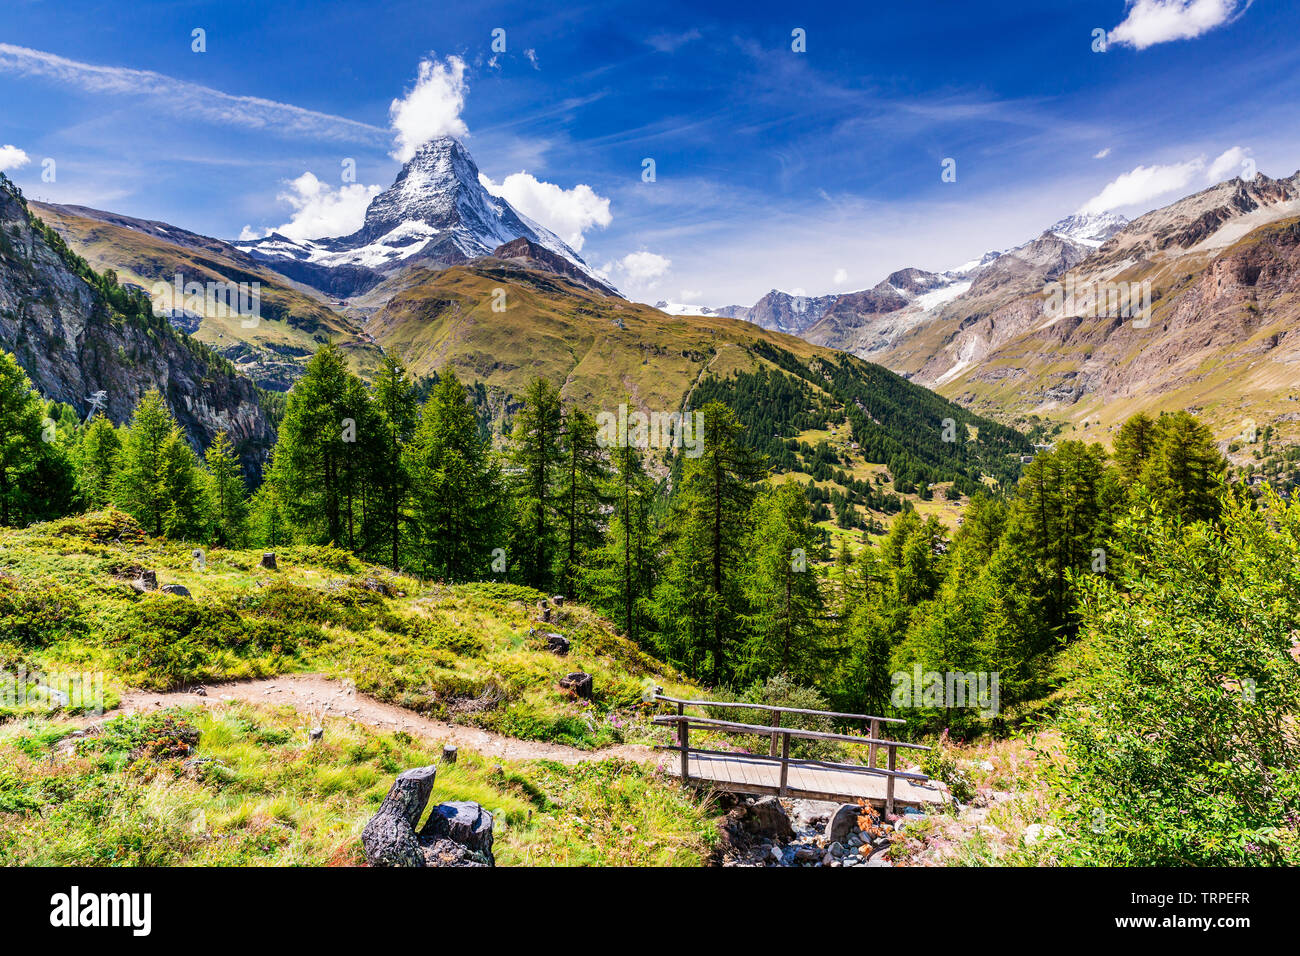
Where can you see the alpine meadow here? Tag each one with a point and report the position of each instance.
(452, 513)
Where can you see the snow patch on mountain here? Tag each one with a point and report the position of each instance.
(437, 205)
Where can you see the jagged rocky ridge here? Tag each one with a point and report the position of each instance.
(72, 344)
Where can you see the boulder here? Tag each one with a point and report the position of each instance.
(147, 581)
(179, 590)
(843, 822)
(389, 838)
(378, 586)
(462, 822)
(268, 561)
(766, 817)
(579, 683)
(557, 643)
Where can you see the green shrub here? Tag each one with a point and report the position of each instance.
(1181, 746)
(38, 616)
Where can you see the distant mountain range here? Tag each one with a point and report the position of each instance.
(918, 289)
(418, 279)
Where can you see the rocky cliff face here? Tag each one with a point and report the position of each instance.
(73, 344)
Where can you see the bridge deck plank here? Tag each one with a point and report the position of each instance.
(747, 773)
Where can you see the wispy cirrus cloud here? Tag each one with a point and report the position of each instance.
(183, 98)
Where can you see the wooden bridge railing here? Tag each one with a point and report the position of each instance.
(684, 722)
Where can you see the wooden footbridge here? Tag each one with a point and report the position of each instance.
(777, 773)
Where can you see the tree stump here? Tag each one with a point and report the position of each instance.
(268, 561)
(579, 683)
(448, 753)
(463, 822)
(557, 643)
(389, 838)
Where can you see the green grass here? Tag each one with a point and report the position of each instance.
(460, 653)
(239, 785)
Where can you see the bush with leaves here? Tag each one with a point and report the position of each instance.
(1182, 745)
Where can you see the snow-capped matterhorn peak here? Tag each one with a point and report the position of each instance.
(436, 208)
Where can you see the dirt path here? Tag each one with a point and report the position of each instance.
(322, 697)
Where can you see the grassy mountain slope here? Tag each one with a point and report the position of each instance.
(239, 784)
(604, 351)
(294, 319)
(456, 653)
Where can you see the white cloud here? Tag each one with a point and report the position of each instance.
(1159, 21)
(1233, 162)
(691, 295)
(1102, 153)
(566, 212)
(1143, 184)
(431, 108)
(841, 277)
(532, 58)
(320, 211)
(637, 273)
(644, 267)
(11, 157)
(181, 98)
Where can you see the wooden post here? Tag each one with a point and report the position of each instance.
(686, 755)
(889, 784)
(776, 722)
(871, 748)
(785, 761)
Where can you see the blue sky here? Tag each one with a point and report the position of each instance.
(817, 171)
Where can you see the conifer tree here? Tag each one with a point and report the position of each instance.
(620, 575)
(700, 601)
(456, 498)
(536, 456)
(150, 464)
(581, 494)
(397, 412)
(97, 462)
(316, 459)
(783, 590)
(226, 492)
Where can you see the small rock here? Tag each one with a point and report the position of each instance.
(842, 822)
(179, 590)
(806, 854)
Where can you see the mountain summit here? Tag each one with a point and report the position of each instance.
(437, 211)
